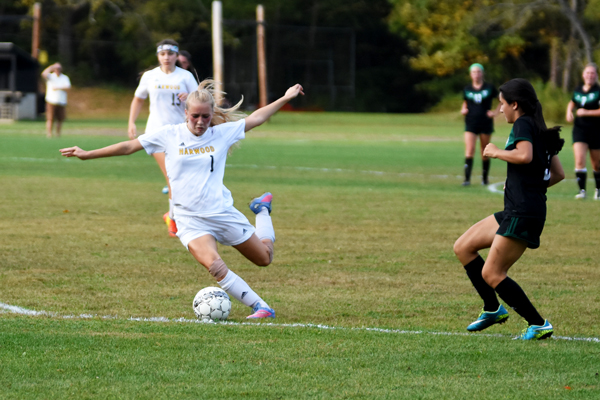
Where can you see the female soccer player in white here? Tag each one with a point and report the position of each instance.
(196, 152)
(167, 86)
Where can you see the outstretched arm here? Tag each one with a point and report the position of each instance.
(118, 149)
(261, 115)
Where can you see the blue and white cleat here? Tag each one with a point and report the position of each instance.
(261, 202)
(487, 319)
(262, 312)
(165, 190)
(536, 332)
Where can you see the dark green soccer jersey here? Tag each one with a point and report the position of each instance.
(589, 100)
(526, 184)
(479, 102)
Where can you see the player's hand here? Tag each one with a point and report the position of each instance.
(491, 114)
(581, 112)
(294, 91)
(132, 131)
(464, 111)
(73, 152)
(182, 96)
(490, 150)
(570, 117)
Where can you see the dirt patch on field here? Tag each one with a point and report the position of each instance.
(101, 103)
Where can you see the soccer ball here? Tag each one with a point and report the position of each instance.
(212, 304)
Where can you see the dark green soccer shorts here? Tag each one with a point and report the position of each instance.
(528, 229)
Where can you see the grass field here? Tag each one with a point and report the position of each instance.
(370, 299)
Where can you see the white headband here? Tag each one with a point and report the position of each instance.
(167, 47)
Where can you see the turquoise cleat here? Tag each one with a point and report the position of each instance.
(487, 319)
(536, 332)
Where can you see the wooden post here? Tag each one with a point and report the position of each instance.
(217, 42)
(35, 37)
(262, 59)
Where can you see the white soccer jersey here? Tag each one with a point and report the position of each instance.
(165, 106)
(196, 165)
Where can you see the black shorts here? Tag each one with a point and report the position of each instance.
(527, 229)
(483, 126)
(587, 135)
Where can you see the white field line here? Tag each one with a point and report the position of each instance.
(493, 187)
(7, 308)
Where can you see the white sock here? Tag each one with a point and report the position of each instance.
(171, 208)
(237, 288)
(264, 225)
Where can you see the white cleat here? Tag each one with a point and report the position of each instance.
(580, 195)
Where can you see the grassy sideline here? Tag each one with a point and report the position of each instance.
(366, 210)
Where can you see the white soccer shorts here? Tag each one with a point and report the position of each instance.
(229, 228)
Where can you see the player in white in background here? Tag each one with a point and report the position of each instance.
(167, 86)
(57, 85)
(196, 153)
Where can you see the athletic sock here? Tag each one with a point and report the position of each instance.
(597, 179)
(264, 225)
(486, 170)
(581, 175)
(237, 288)
(468, 168)
(487, 294)
(515, 297)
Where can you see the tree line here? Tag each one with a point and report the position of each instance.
(406, 54)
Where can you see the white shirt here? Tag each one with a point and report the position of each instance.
(165, 106)
(196, 165)
(56, 96)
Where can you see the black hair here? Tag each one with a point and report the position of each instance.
(167, 41)
(522, 92)
(164, 41)
(192, 69)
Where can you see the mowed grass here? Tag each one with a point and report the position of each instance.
(366, 210)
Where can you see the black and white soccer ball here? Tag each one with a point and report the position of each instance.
(212, 304)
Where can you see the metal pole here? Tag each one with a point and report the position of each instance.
(217, 42)
(35, 37)
(262, 59)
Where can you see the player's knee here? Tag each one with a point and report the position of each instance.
(459, 247)
(492, 278)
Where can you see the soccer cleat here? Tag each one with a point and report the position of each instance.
(580, 195)
(597, 194)
(485, 182)
(536, 332)
(262, 312)
(466, 183)
(171, 225)
(165, 190)
(487, 319)
(261, 202)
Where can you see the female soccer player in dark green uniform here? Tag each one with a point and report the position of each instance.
(479, 119)
(586, 130)
(532, 166)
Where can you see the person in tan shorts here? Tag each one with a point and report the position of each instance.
(57, 85)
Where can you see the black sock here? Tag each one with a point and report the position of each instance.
(486, 170)
(597, 179)
(468, 168)
(487, 294)
(581, 178)
(515, 297)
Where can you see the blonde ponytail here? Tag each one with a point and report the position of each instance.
(206, 94)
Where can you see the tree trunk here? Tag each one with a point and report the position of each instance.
(554, 53)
